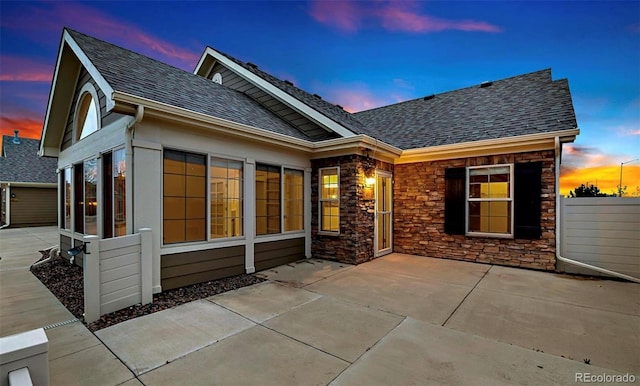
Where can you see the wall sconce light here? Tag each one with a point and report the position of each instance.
(78, 249)
(369, 181)
(13, 195)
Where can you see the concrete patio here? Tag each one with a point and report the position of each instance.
(397, 320)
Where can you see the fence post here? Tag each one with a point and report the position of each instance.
(91, 273)
(146, 262)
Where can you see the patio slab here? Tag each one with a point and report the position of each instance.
(257, 356)
(345, 330)
(93, 366)
(427, 300)
(428, 268)
(304, 272)
(150, 341)
(418, 353)
(263, 301)
(68, 339)
(610, 295)
(607, 339)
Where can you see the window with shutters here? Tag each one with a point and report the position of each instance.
(490, 200)
(494, 200)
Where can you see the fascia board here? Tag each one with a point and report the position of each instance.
(520, 143)
(92, 70)
(294, 103)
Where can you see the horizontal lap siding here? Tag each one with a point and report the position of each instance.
(183, 269)
(275, 253)
(65, 245)
(604, 232)
(119, 273)
(34, 206)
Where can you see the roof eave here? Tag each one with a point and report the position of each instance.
(276, 92)
(516, 144)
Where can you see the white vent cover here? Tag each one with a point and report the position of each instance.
(217, 78)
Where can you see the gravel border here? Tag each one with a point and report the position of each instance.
(65, 281)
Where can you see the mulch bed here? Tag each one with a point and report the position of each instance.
(65, 281)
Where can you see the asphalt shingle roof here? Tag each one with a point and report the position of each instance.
(20, 162)
(139, 75)
(331, 111)
(526, 104)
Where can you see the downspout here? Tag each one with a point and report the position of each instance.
(7, 209)
(130, 132)
(580, 264)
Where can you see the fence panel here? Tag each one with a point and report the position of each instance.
(601, 231)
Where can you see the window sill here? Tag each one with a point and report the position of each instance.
(327, 233)
(489, 235)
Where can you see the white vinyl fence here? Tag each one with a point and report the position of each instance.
(117, 273)
(601, 231)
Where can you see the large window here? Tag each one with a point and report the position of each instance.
(66, 192)
(119, 193)
(330, 200)
(226, 198)
(184, 197)
(267, 199)
(90, 201)
(293, 200)
(490, 207)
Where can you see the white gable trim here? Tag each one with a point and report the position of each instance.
(92, 70)
(292, 102)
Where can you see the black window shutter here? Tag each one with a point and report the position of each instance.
(527, 190)
(454, 201)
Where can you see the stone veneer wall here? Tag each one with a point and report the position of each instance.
(354, 244)
(419, 191)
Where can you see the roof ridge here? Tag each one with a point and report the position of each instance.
(528, 74)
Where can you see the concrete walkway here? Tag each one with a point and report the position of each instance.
(397, 320)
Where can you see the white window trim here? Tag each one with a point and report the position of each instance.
(510, 199)
(321, 200)
(90, 89)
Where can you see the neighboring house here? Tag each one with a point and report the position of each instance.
(28, 184)
(235, 170)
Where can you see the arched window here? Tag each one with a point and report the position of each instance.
(87, 112)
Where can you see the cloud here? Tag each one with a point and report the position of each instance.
(356, 97)
(51, 17)
(21, 69)
(30, 127)
(403, 16)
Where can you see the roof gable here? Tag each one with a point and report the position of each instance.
(20, 162)
(327, 115)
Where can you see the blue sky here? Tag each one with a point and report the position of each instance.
(365, 54)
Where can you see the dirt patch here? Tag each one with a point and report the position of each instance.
(65, 281)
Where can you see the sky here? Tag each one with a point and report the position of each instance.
(366, 54)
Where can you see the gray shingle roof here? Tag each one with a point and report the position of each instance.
(136, 74)
(526, 104)
(329, 110)
(20, 162)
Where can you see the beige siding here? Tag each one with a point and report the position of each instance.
(183, 269)
(603, 232)
(65, 245)
(34, 206)
(275, 253)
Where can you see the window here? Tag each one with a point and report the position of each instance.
(86, 115)
(184, 197)
(500, 200)
(267, 199)
(330, 200)
(226, 198)
(119, 193)
(293, 200)
(490, 203)
(66, 197)
(90, 201)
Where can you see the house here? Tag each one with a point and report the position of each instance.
(28, 184)
(235, 170)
